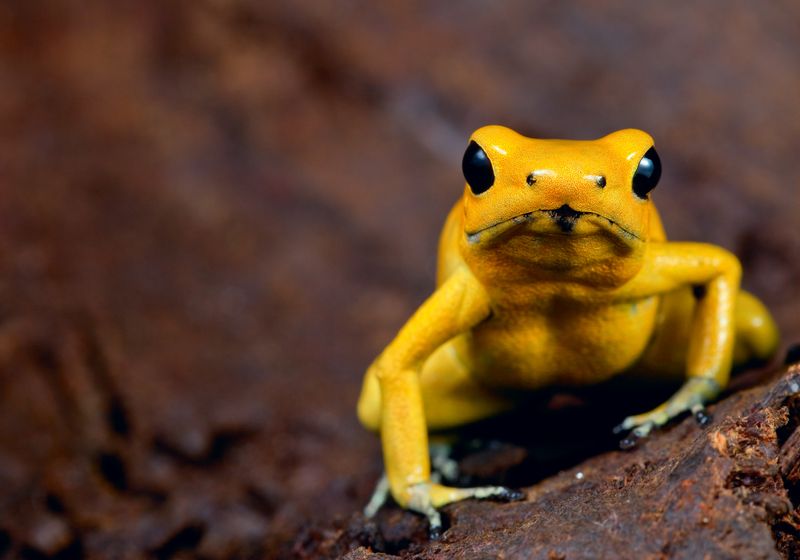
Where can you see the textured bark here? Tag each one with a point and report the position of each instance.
(724, 491)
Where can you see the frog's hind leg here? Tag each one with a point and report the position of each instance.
(757, 336)
(450, 396)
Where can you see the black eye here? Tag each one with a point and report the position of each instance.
(477, 169)
(647, 174)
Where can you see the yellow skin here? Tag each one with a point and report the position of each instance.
(528, 297)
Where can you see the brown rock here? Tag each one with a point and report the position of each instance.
(687, 492)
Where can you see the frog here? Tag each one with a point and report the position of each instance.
(554, 269)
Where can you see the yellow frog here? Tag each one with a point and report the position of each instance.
(554, 269)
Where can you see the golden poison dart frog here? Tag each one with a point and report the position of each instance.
(554, 269)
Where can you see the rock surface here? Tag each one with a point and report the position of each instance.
(214, 214)
(728, 490)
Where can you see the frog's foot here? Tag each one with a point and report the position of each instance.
(443, 466)
(691, 397)
(426, 498)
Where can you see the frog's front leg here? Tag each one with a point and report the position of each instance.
(715, 273)
(456, 306)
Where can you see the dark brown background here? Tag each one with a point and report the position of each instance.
(214, 214)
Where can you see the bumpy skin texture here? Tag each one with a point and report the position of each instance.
(554, 276)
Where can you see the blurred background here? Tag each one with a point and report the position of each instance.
(214, 214)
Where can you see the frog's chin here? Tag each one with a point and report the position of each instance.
(563, 222)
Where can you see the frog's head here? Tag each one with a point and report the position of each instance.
(558, 202)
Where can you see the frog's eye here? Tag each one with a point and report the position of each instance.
(647, 174)
(477, 169)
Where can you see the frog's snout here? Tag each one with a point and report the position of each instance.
(565, 217)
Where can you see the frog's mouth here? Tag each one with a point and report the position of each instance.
(564, 219)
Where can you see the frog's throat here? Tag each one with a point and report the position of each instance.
(494, 230)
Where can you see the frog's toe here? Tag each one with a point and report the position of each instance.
(442, 495)
(435, 526)
(619, 428)
(422, 504)
(643, 430)
(629, 441)
(640, 427)
(509, 495)
(701, 415)
(444, 467)
(434, 521)
(379, 497)
(642, 424)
